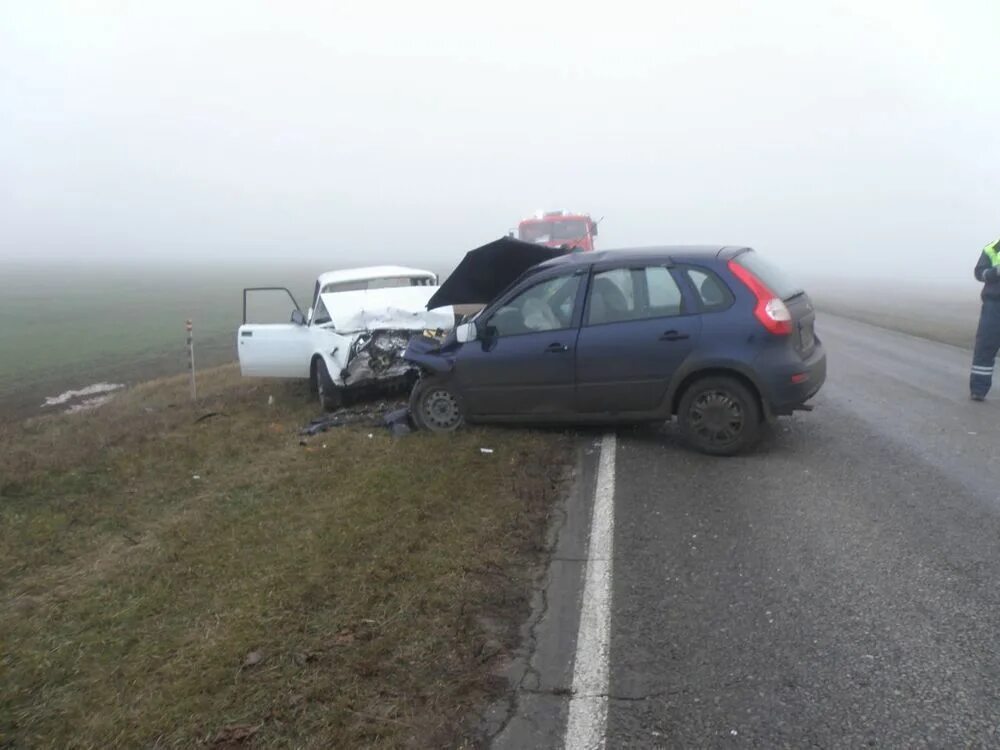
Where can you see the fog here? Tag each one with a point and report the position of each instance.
(853, 138)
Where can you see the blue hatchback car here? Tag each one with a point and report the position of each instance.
(716, 337)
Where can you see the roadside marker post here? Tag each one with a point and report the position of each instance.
(190, 345)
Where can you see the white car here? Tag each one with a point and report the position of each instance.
(353, 335)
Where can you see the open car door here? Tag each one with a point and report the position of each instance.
(274, 350)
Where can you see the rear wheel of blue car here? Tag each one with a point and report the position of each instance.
(719, 415)
(436, 406)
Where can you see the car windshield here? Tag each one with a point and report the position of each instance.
(773, 277)
(536, 231)
(547, 231)
(569, 230)
(385, 282)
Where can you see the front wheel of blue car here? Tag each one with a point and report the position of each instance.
(719, 415)
(436, 406)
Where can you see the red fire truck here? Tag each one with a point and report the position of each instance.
(558, 229)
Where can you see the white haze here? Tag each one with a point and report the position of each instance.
(852, 138)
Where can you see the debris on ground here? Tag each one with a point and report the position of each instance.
(335, 419)
(253, 659)
(393, 415)
(367, 414)
(485, 450)
(235, 736)
(208, 416)
(398, 422)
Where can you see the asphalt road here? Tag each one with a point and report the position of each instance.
(840, 587)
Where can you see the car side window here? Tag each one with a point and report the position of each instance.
(612, 297)
(616, 295)
(712, 292)
(665, 298)
(546, 306)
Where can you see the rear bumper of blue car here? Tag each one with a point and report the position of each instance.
(789, 382)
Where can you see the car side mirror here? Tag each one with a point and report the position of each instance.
(466, 332)
(298, 318)
(593, 229)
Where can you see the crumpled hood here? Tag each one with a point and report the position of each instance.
(401, 308)
(486, 271)
(434, 354)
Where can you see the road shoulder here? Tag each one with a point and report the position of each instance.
(533, 714)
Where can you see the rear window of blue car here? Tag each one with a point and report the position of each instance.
(773, 277)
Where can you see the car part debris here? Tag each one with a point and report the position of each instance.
(390, 414)
(209, 415)
(398, 422)
(336, 419)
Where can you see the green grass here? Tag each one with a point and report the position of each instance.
(337, 594)
(63, 327)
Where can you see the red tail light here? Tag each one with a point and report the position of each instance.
(769, 310)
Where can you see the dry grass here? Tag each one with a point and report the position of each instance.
(340, 594)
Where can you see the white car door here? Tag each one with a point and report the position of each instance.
(275, 350)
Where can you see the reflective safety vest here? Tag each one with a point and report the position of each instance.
(992, 253)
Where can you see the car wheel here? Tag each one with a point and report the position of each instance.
(436, 406)
(330, 396)
(719, 416)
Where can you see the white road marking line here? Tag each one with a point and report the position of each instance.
(588, 708)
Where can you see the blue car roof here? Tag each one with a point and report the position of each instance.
(671, 253)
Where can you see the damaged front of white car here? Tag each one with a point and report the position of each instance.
(353, 336)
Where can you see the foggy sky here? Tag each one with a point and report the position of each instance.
(848, 137)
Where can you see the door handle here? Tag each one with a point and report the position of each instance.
(556, 349)
(674, 336)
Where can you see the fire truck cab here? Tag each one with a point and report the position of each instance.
(559, 229)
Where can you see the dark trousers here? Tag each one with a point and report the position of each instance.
(987, 345)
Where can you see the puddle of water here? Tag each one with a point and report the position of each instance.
(89, 403)
(83, 399)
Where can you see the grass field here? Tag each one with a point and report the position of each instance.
(170, 581)
(68, 327)
(946, 313)
(65, 327)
